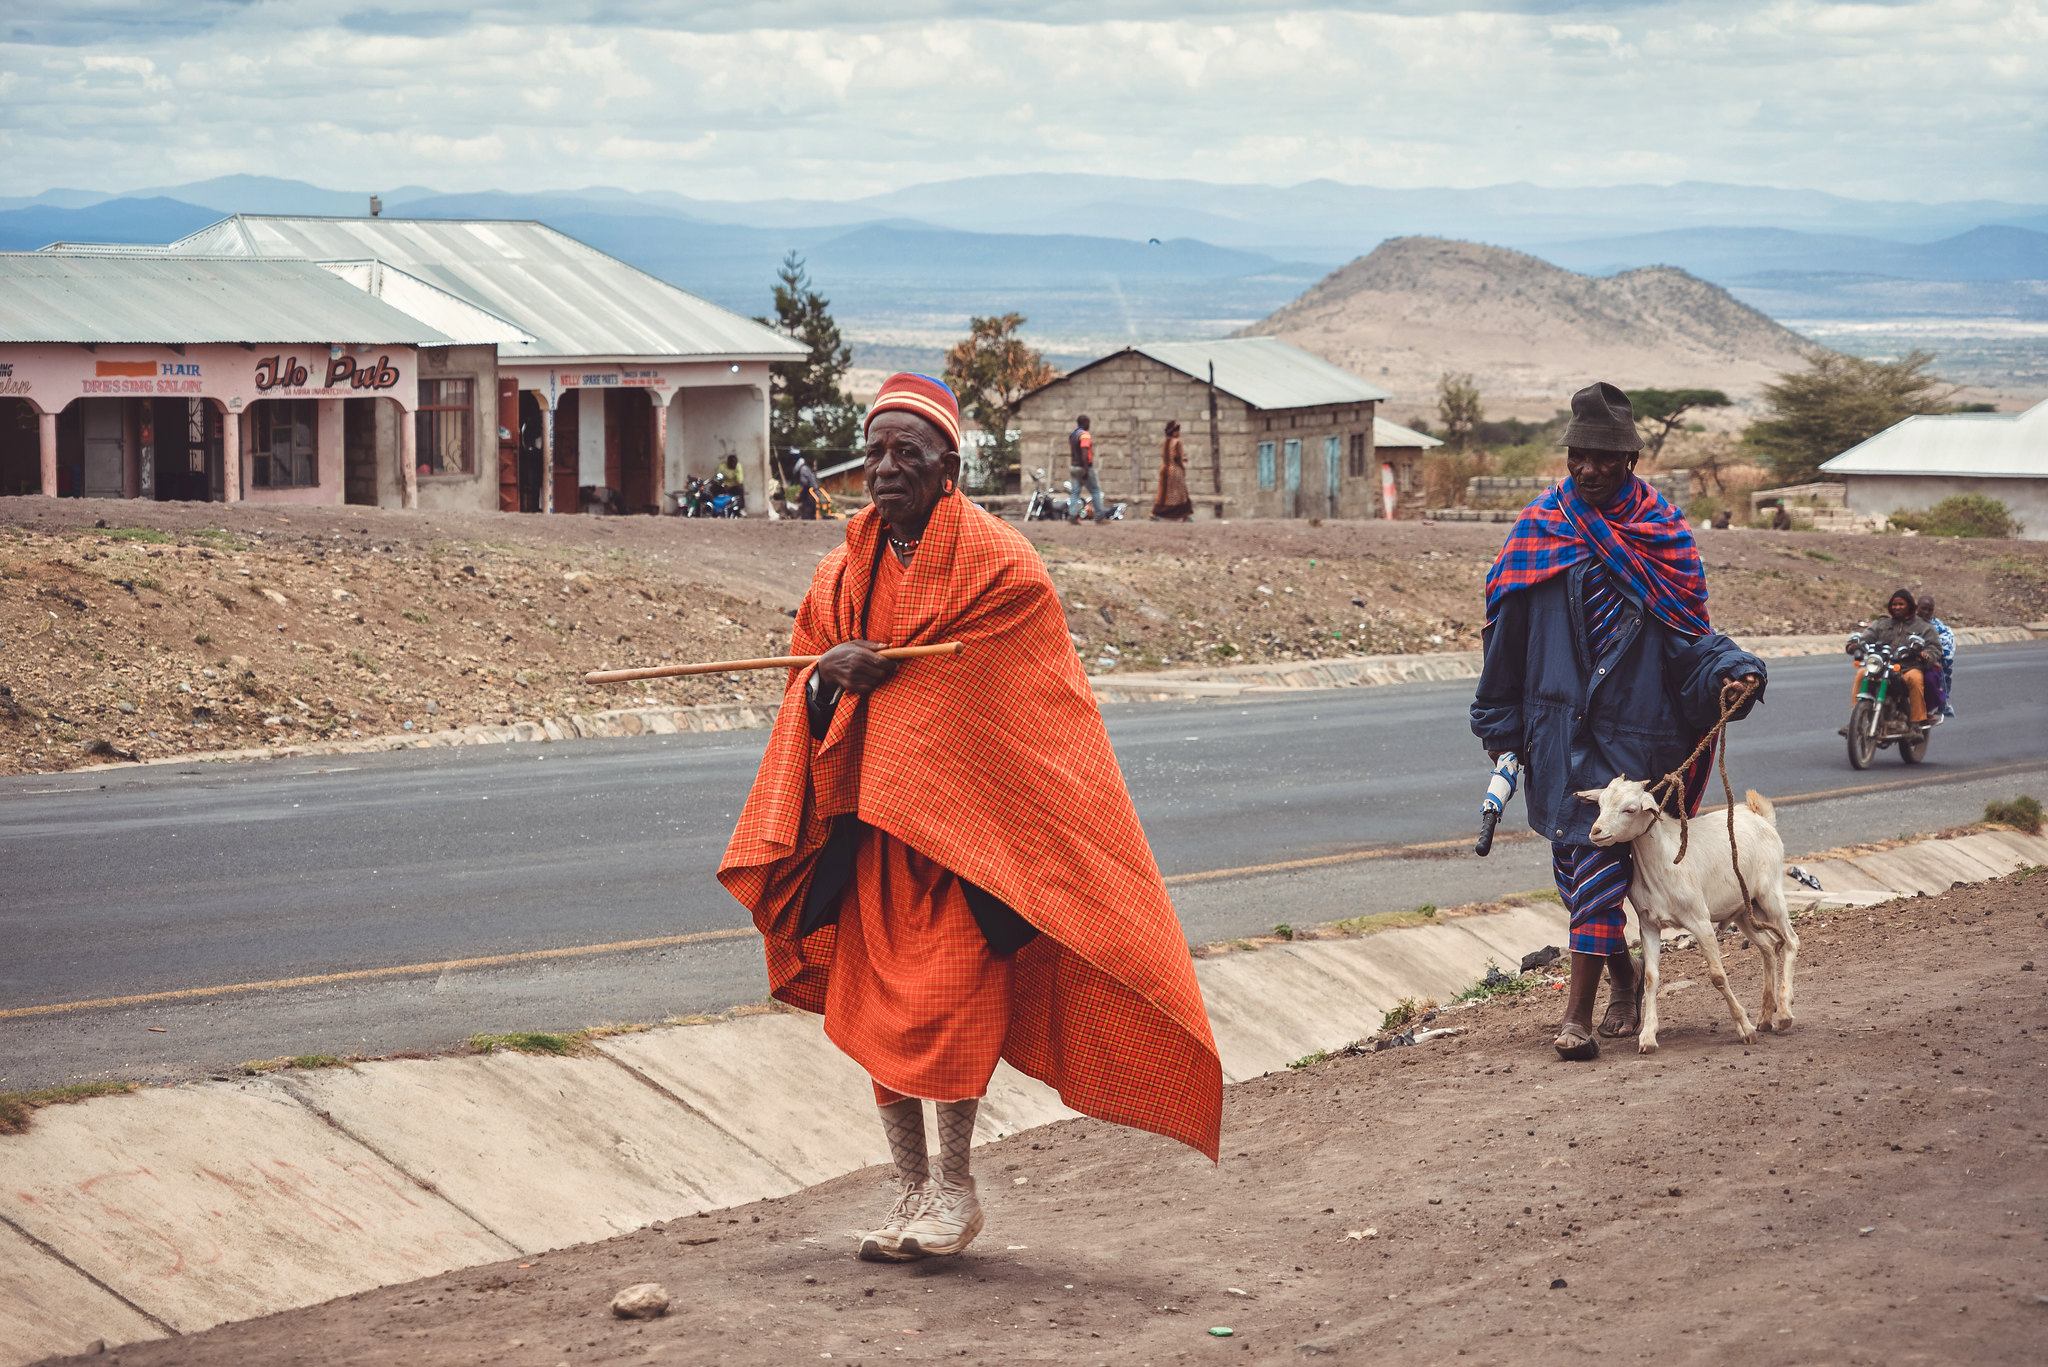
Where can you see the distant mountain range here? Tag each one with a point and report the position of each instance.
(1097, 261)
(1316, 221)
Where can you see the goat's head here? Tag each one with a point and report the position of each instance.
(1626, 811)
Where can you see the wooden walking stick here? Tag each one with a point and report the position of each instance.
(773, 662)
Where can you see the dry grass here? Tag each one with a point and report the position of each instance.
(16, 1108)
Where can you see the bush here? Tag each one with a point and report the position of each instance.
(1445, 474)
(2023, 813)
(1526, 460)
(1962, 515)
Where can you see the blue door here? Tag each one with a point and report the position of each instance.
(1292, 502)
(1333, 451)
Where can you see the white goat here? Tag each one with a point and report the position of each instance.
(1702, 892)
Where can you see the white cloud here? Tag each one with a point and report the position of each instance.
(1931, 99)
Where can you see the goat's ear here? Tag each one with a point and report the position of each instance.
(1591, 794)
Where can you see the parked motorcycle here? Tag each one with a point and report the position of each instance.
(1881, 716)
(700, 498)
(1047, 507)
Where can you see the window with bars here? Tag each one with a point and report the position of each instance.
(283, 443)
(1358, 453)
(443, 423)
(1266, 471)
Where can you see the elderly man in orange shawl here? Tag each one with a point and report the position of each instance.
(907, 849)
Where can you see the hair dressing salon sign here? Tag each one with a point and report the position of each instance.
(51, 376)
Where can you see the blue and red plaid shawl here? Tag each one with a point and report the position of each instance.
(1642, 540)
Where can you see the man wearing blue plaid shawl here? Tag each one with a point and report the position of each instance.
(1599, 661)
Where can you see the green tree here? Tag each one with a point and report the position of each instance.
(1836, 402)
(991, 370)
(1659, 411)
(1459, 407)
(809, 409)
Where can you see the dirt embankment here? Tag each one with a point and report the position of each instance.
(1865, 1189)
(197, 627)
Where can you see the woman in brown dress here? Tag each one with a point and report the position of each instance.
(1172, 505)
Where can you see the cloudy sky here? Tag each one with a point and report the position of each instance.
(1942, 99)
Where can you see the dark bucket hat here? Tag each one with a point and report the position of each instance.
(1602, 420)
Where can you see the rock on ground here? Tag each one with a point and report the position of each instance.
(641, 1301)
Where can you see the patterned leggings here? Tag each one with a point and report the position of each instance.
(1592, 880)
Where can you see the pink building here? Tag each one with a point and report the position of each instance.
(154, 376)
(546, 377)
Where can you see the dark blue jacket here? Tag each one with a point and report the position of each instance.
(1577, 722)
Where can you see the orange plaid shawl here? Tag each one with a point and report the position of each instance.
(994, 763)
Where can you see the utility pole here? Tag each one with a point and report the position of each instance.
(1215, 442)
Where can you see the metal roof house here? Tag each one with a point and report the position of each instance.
(150, 375)
(591, 330)
(1277, 433)
(561, 379)
(1919, 462)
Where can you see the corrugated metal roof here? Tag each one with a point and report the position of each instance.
(1265, 372)
(1386, 433)
(152, 297)
(458, 318)
(571, 299)
(1986, 445)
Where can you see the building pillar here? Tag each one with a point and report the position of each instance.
(762, 392)
(46, 424)
(231, 457)
(660, 457)
(408, 455)
(547, 455)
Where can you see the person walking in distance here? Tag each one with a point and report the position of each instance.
(1173, 504)
(1081, 463)
(807, 487)
(1598, 661)
(894, 853)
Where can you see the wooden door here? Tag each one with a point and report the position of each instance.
(106, 461)
(508, 445)
(359, 451)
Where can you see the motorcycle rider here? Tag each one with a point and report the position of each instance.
(730, 479)
(1896, 630)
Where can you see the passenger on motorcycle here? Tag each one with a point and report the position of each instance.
(1941, 679)
(1896, 630)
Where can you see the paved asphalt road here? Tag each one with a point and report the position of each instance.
(136, 882)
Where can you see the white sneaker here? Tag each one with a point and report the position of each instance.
(884, 1245)
(948, 1223)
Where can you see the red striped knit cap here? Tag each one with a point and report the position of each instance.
(922, 395)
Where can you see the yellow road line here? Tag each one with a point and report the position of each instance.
(398, 971)
(1922, 782)
(1398, 851)
(1348, 857)
(708, 936)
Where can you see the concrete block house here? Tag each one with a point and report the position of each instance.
(1917, 463)
(549, 377)
(1294, 435)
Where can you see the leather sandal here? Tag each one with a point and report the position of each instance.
(1614, 1029)
(1583, 1047)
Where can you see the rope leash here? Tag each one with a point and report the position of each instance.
(1734, 694)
